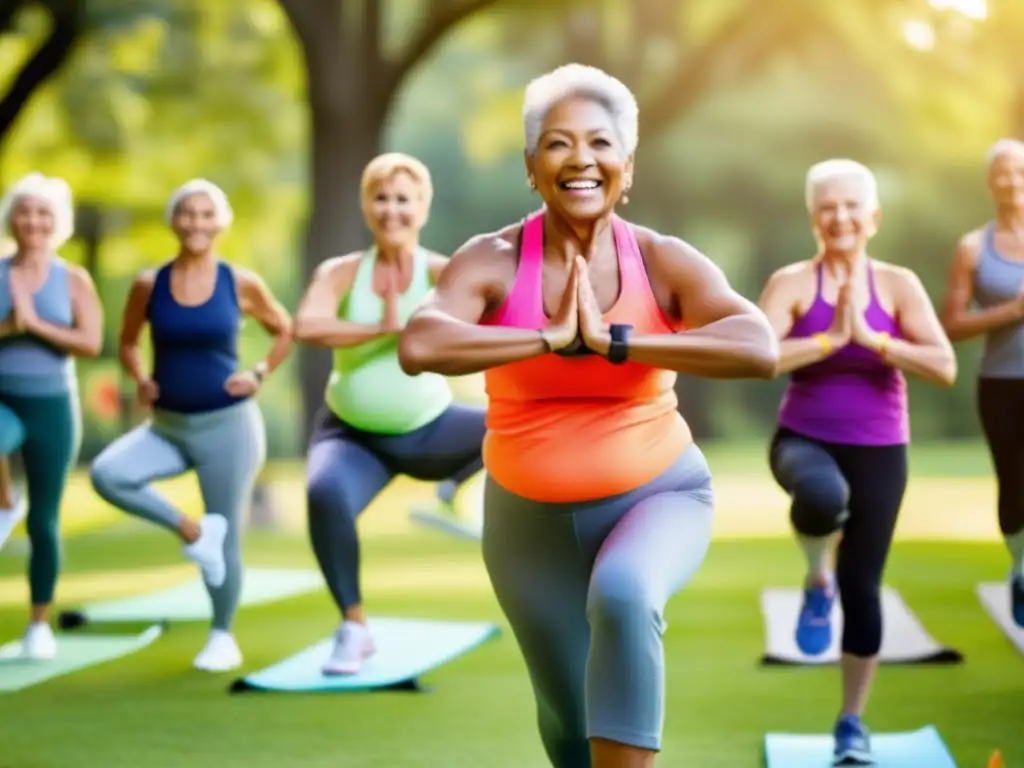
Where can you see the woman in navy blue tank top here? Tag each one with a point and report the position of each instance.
(204, 416)
(49, 315)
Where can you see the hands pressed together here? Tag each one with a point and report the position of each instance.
(23, 317)
(578, 315)
(849, 324)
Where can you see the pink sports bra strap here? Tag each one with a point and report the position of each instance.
(630, 260)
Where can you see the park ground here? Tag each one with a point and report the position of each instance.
(152, 709)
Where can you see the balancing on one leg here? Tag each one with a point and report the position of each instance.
(850, 325)
(51, 315)
(598, 506)
(988, 273)
(378, 422)
(204, 416)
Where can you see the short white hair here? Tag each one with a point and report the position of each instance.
(826, 171)
(1003, 147)
(53, 191)
(221, 207)
(577, 80)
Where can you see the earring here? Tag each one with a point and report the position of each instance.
(625, 196)
(531, 184)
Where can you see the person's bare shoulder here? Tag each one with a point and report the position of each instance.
(489, 259)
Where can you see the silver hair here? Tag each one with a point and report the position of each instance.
(577, 80)
(840, 168)
(222, 208)
(53, 191)
(1003, 147)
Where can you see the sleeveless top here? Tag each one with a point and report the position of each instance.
(195, 349)
(571, 429)
(998, 280)
(30, 366)
(367, 388)
(852, 397)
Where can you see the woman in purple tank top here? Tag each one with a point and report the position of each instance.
(850, 327)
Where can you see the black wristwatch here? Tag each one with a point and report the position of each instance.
(619, 346)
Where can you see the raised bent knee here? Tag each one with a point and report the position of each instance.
(618, 600)
(107, 479)
(820, 502)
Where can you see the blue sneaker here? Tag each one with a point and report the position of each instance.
(814, 625)
(1017, 600)
(853, 742)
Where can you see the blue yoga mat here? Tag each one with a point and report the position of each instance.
(914, 749)
(406, 648)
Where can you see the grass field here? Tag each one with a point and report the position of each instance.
(152, 710)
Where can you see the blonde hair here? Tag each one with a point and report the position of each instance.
(577, 80)
(840, 168)
(222, 208)
(383, 167)
(53, 191)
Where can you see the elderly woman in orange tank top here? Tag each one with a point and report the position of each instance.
(598, 506)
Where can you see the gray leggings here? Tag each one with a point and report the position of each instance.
(584, 586)
(226, 448)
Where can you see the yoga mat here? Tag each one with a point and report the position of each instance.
(995, 597)
(915, 749)
(74, 652)
(446, 522)
(406, 649)
(189, 601)
(904, 638)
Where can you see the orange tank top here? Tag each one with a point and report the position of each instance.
(564, 429)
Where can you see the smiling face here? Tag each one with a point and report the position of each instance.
(580, 168)
(395, 210)
(32, 223)
(843, 215)
(195, 223)
(1006, 178)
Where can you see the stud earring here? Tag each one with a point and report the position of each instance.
(531, 184)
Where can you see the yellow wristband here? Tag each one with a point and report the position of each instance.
(883, 343)
(823, 342)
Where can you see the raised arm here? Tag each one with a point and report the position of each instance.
(777, 302)
(317, 320)
(442, 336)
(925, 350)
(133, 321)
(959, 320)
(259, 303)
(85, 337)
(726, 335)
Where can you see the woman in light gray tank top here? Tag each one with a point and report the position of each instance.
(985, 297)
(49, 314)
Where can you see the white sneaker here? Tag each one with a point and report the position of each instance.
(9, 518)
(352, 646)
(208, 550)
(220, 653)
(38, 641)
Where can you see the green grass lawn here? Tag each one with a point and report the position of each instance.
(151, 709)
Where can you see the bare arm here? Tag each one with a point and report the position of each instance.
(727, 336)
(259, 303)
(777, 303)
(317, 320)
(132, 322)
(436, 266)
(924, 351)
(959, 320)
(442, 336)
(85, 337)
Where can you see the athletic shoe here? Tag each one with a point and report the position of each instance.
(352, 646)
(1017, 599)
(208, 550)
(853, 742)
(814, 624)
(9, 518)
(220, 653)
(38, 641)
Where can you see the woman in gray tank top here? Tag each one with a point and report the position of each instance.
(49, 315)
(985, 297)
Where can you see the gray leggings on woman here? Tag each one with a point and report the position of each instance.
(226, 448)
(584, 586)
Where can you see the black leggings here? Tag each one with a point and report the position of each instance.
(1001, 408)
(346, 468)
(856, 488)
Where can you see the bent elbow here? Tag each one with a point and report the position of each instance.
(412, 352)
(301, 329)
(948, 373)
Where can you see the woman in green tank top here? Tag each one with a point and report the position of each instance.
(377, 421)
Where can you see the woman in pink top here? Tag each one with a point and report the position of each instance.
(598, 505)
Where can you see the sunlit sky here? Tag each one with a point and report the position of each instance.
(976, 9)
